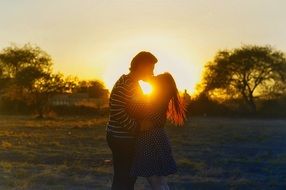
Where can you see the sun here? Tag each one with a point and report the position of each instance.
(146, 87)
(174, 56)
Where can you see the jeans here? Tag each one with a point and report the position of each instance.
(122, 157)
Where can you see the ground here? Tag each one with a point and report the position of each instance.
(211, 153)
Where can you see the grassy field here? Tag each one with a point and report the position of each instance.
(211, 153)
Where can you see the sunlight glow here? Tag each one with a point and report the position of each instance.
(174, 56)
(146, 87)
(98, 39)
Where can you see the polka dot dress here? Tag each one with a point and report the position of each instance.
(153, 155)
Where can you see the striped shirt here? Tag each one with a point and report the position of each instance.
(122, 123)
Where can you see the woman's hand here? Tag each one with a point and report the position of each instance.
(146, 125)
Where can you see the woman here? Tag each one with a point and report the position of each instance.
(153, 156)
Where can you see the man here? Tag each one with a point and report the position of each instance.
(122, 127)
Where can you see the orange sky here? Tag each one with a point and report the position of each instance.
(96, 39)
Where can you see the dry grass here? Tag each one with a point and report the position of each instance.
(211, 153)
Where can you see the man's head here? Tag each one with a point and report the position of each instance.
(142, 65)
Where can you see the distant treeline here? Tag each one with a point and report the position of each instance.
(203, 106)
(28, 85)
(246, 81)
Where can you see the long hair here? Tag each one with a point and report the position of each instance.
(176, 107)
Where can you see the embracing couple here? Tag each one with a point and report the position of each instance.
(135, 131)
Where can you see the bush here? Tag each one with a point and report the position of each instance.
(79, 110)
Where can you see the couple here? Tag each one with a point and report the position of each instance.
(135, 131)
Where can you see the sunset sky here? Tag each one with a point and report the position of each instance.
(96, 39)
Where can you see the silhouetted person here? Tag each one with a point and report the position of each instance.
(153, 156)
(122, 128)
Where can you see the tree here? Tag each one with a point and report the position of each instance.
(43, 89)
(14, 58)
(248, 73)
(27, 74)
(94, 88)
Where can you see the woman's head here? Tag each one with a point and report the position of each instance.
(168, 92)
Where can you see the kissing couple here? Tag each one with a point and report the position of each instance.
(135, 131)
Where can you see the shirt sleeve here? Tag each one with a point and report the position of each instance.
(119, 100)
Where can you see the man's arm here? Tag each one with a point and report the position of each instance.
(118, 102)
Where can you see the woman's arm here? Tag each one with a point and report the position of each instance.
(151, 114)
(145, 109)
